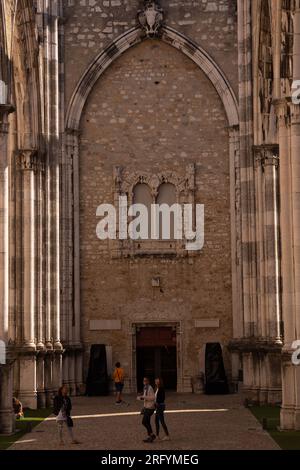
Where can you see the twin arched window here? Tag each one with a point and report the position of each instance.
(166, 195)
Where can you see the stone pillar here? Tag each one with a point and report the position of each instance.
(65, 368)
(27, 165)
(49, 389)
(236, 255)
(40, 379)
(4, 222)
(289, 140)
(268, 338)
(78, 372)
(57, 370)
(27, 388)
(6, 386)
(72, 373)
(7, 419)
(271, 242)
(295, 153)
(73, 321)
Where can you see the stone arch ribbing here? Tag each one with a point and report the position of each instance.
(132, 37)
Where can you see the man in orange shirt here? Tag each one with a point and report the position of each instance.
(118, 377)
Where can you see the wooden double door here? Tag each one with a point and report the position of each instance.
(157, 356)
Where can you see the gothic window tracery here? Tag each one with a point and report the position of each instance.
(146, 188)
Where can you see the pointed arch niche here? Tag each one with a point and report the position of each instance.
(130, 39)
(73, 119)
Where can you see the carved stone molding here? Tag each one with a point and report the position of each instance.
(281, 109)
(287, 111)
(151, 18)
(5, 110)
(125, 181)
(295, 113)
(266, 155)
(30, 160)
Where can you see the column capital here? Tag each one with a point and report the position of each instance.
(30, 160)
(295, 113)
(5, 110)
(281, 108)
(286, 110)
(266, 155)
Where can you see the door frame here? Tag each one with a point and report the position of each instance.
(179, 356)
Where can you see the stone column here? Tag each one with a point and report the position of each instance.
(49, 389)
(73, 321)
(65, 369)
(72, 372)
(267, 158)
(78, 371)
(272, 238)
(295, 184)
(27, 165)
(295, 152)
(40, 284)
(289, 138)
(4, 222)
(260, 236)
(6, 370)
(7, 418)
(40, 379)
(57, 370)
(27, 161)
(286, 222)
(236, 255)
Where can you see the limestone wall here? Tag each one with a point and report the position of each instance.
(154, 111)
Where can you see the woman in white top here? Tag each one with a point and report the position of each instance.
(149, 408)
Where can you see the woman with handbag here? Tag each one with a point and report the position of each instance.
(160, 405)
(148, 409)
(62, 407)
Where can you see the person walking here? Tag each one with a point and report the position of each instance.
(160, 406)
(62, 407)
(148, 409)
(118, 377)
(18, 408)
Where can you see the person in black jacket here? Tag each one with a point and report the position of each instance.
(160, 406)
(62, 407)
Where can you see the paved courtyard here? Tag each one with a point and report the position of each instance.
(195, 422)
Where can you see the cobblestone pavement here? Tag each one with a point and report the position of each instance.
(196, 422)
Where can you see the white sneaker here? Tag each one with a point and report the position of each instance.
(166, 438)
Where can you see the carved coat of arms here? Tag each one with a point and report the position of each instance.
(151, 18)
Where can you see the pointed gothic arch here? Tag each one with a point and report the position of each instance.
(129, 39)
(72, 144)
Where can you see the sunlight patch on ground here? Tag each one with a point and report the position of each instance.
(137, 413)
(24, 442)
